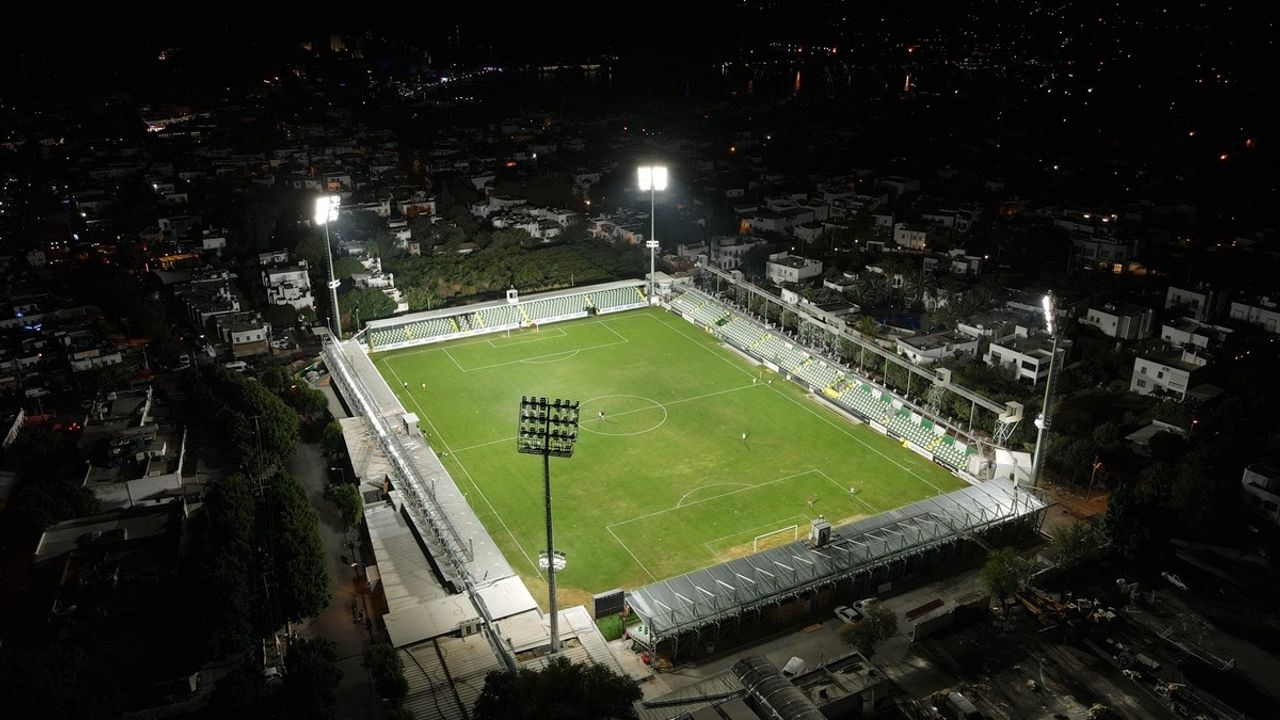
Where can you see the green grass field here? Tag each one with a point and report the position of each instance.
(664, 484)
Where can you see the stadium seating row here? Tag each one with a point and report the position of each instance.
(860, 397)
(615, 298)
(555, 307)
(434, 327)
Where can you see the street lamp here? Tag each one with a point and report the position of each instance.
(1042, 420)
(326, 211)
(652, 178)
(548, 428)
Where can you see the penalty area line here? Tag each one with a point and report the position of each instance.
(633, 555)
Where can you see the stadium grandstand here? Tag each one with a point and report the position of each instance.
(502, 315)
(737, 599)
(449, 588)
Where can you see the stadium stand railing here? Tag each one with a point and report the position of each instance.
(499, 316)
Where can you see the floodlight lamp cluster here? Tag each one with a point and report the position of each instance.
(547, 427)
(326, 209)
(652, 177)
(1047, 302)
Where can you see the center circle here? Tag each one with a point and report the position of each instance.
(623, 415)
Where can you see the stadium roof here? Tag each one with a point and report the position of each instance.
(451, 311)
(680, 604)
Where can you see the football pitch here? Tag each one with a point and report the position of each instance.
(664, 482)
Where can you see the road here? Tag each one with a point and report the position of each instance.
(353, 696)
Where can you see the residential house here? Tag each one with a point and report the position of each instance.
(1025, 356)
(928, 349)
(911, 236)
(1264, 313)
(1122, 321)
(1200, 303)
(1171, 373)
(1187, 332)
(783, 267)
(288, 284)
(246, 333)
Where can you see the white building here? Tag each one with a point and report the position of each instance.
(1200, 304)
(1102, 250)
(913, 237)
(727, 252)
(1169, 373)
(1026, 358)
(288, 285)
(1122, 321)
(786, 268)
(1186, 332)
(928, 349)
(1264, 313)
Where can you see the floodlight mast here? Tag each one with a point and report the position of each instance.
(1043, 421)
(326, 211)
(548, 428)
(652, 178)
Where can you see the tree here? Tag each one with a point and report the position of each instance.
(1002, 575)
(346, 266)
(754, 259)
(421, 298)
(350, 505)
(311, 674)
(331, 439)
(309, 402)
(373, 304)
(877, 624)
(276, 378)
(303, 581)
(1077, 543)
(561, 691)
(224, 548)
(383, 664)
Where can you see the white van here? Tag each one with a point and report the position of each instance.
(236, 366)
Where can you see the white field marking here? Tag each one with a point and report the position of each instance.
(633, 555)
(619, 414)
(714, 352)
(655, 404)
(704, 487)
(775, 524)
(554, 357)
(535, 358)
(859, 440)
(423, 415)
(454, 359)
(845, 489)
(713, 497)
(540, 335)
(605, 324)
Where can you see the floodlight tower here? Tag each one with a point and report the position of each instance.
(548, 428)
(652, 178)
(326, 212)
(1042, 420)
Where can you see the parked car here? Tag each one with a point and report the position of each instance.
(862, 605)
(847, 614)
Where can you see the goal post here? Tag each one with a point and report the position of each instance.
(775, 538)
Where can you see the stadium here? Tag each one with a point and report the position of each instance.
(731, 474)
